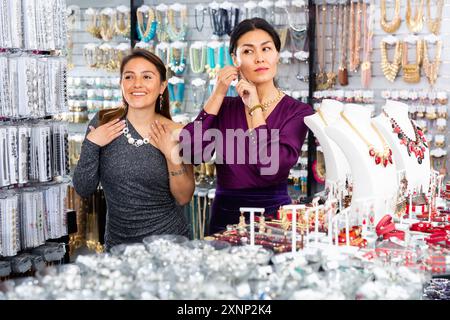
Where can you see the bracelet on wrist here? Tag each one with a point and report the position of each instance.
(258, 106)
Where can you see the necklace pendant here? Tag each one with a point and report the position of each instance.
(371, 152)
(377, 159)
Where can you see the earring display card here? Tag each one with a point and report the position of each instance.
(4, 165)
(9, 221)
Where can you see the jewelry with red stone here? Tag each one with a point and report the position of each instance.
(381, 157)
(417, 146)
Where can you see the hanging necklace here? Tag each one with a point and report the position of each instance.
(92, 26)
(123, 26)
(213, 15)
(150, 26)
(411, 71)
(331, 76)
(342, 70)
(176, 98)
(283, 36)
(381, 157)
(417, 146)
(355, 38)
(291, 23)
(435, 25)
(161, 31)
(229, 18)
(202, 10)
(161, 50)
(107, 24)
(366, 66)
(213, 66)
(390, 70)
(177, 65)
(390, 27)
(135, 142)
(321, 77)
(431, 68)
(414, 24)
(197, 64)
(174, 34)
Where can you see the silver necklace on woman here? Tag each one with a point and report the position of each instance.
(130, 139)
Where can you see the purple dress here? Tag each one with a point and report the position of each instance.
(252, 166)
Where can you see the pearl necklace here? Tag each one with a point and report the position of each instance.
(131, 140)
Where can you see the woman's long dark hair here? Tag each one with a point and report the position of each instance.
(110, 114)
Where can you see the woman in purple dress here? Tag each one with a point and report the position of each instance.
(257, 136)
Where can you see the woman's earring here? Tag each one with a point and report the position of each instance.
(160, 102)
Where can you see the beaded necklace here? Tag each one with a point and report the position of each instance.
(435, 25)
(150, 25)
(197, 63)
(177, 65)
(213, 66)
(176, 98)
(174, 34)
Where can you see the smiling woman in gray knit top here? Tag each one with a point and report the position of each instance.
(130, 151)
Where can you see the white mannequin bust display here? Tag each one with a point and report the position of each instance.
(370, 180)
(417, 174)
(337, 167)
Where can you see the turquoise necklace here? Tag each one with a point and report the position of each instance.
(176, 98)
(213, 66)
(149, 26)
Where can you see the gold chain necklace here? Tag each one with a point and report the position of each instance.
(435, 25)
(321, 77)
(92, 27)
(107, 23)
(411, 71)
(390, 27)
(414, 24)
(390, 70)
(355, 39)
(381, 157)
(267, 104)
(123, 23)
(331, 76)
(431, 68)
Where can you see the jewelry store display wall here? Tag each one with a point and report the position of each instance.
(370, 51)
(34, 163)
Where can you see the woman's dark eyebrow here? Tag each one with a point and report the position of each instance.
(251, 45)
(146, 71)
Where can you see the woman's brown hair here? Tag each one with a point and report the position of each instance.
(110, 114)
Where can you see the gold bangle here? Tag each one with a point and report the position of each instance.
(250, 112)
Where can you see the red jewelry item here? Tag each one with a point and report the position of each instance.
(385, 225)
(417, 146)
(421, 227)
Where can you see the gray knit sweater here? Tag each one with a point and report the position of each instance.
(135, 181)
